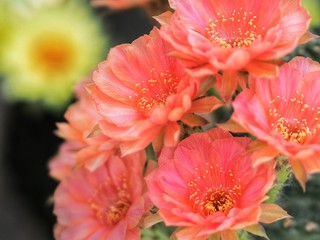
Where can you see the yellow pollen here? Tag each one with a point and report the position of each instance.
(110, 213)
(117, 211)
(292, 133)
(239, 30)
(218, 201)
(214, 189)
(298, 122)
(155, 91)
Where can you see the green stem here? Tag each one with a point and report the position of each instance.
(151, 153)
(243, 235)
(283, 173)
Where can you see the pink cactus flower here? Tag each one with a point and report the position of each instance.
(107, 203)
(141, 93)
(209, 35)
(207, 186)
(84, 143)
(284, 113)
(64, 161)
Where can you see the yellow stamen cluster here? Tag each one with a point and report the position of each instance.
(239, 30)
(294, 132)
(300, 120)
(110, 213)
(155, 91)
(220, 194)
(117, 211)
(218, 201)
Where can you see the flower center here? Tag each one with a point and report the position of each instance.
(52, 53)
(214, 190)
(297, 120)
(218, 201)
(117, 211)
(110, 208)
(239, 30)
(155, 91)
(294, 133)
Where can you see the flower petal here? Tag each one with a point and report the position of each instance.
(271, 213)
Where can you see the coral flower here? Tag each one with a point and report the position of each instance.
(64, 161)
(105, 204)
(284, 113)
(208, 187)
(234, 35)
(85, 144)
(119, 4)
(142, 93)
(51, 47)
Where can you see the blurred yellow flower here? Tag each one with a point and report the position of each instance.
(49, 50)
(5, 25)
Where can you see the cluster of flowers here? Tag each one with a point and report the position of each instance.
(152, 95)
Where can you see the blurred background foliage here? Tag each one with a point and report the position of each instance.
(304, 207)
